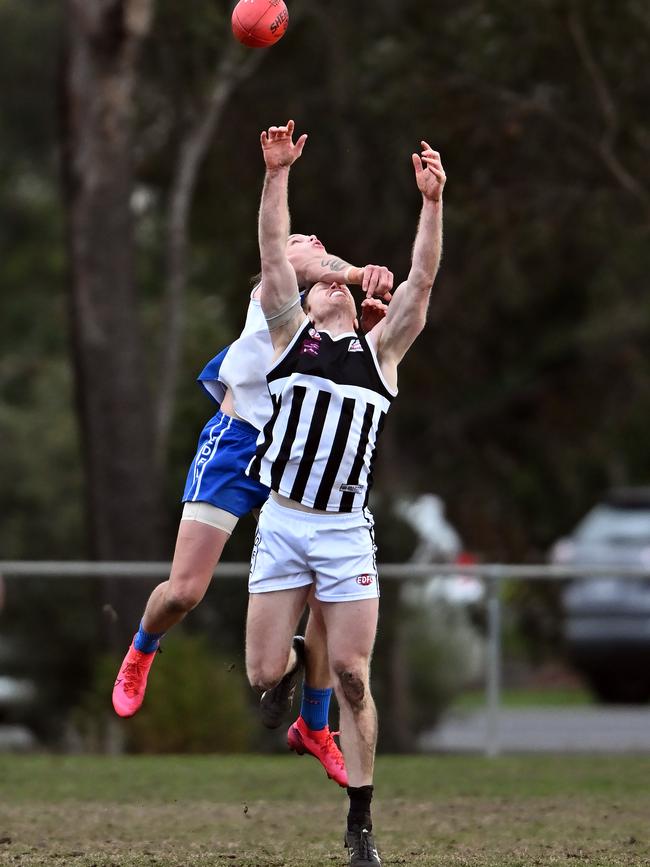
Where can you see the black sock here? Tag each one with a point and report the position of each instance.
(359, 814)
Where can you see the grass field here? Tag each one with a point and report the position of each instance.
(522, 698)
(244, 811)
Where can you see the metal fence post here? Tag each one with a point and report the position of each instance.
(493, 673)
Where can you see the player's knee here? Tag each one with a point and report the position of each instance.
(263, 676)
(353, 684)
(182, 599)
(260, 684)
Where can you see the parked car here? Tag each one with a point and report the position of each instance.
(607, 619)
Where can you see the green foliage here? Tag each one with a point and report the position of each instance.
(443, 653)
(196, 702)
(40, 463)
(530, 698)
(532, 623)
(51, 627)
(29, 35)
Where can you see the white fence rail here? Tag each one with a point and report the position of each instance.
(126, 569)
(493, 574)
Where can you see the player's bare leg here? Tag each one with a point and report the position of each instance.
(310, 733)
(198, 550)
(351, 628)
(317, 664)
(270, 626)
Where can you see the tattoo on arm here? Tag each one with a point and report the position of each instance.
(334, 264)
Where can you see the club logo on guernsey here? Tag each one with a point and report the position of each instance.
(311, 344)
(355, 346)
(365, 580)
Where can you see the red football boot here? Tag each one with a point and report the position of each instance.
(131, 682)
(319, 744)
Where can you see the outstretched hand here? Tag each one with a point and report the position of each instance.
(278, 147)
(429, 173)
(373, 310)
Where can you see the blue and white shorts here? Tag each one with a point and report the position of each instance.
(218, 472)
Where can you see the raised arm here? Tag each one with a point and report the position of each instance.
(313, 264)
(407, 311)
(279, 289)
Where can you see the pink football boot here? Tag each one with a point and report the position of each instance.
(131, 682)
(319, 744)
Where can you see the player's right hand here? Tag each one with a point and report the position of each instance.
(377, 282)
(278, 147)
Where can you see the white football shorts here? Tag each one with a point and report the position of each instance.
(335, 552)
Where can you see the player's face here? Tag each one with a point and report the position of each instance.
(310, 242)
(302, 249)
(326, 298)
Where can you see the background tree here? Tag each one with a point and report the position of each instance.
(114, 401)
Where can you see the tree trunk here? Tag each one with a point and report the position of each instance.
(124, 505)
(234, 68)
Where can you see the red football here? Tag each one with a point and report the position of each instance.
(259, 23)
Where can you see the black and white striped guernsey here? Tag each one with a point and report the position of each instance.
(329, 405)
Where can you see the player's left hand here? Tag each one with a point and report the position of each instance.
(373, 310)
(429, 173)
(278, 147)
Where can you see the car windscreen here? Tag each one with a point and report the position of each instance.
(618, 526)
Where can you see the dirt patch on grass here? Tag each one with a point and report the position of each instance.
(462, 832)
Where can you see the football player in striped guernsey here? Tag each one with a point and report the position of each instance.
(331, 387)
(218, 493)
